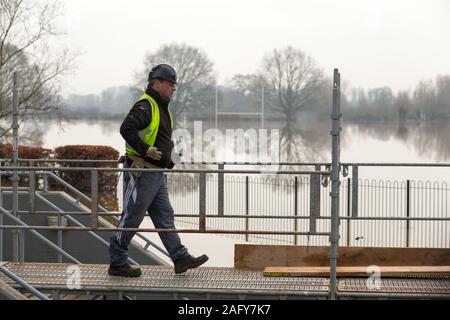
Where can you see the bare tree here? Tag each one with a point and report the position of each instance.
(403, 106)
(194, 70)
(251, 87)
(425, 98)
(29, 46)
(443, 95)
(292, 80)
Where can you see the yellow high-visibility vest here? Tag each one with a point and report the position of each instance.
(149, 134)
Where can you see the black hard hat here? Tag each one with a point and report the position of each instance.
(163, 72)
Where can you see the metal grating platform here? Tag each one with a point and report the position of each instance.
(415, 285)
(221, 283)
(160, 279)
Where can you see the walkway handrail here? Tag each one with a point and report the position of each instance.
(23, 283)
(202, 216)
(253, 216)
(24, 226)
(361, 164)
(81, 194)
(209, 231)
(133, 170)
(93, 234)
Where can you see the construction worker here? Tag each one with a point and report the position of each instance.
(147, 130)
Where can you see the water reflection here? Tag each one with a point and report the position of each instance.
(31, 132)
(433, 139)
(308, 141)
(303, 140)
(428, 139)
(402, 132)
(304, 143)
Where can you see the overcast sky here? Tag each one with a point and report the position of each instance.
(374, 43)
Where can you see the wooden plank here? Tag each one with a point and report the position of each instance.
(257, 257)
(354, 271)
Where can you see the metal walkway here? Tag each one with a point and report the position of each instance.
(158, 282)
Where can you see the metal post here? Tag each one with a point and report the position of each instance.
(246, 208)
(32, 209)
(314, 205)
(221, 192)
(202, 202)
(349, 213)
(295, 208)
(21, 246)
(335, 183)
(94, 197)
(59, 239)
(355, 191)
(317, 191)
(15, 179)
(408, 201)
(32, 190)
(45, 177)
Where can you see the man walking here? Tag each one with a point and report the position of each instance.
(147, 130)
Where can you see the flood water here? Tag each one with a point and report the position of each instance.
(306, 141)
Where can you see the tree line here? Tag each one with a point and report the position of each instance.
(429, 100)
(288, 82)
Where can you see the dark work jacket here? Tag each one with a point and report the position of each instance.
(139, 117)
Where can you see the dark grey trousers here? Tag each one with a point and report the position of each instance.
(147, 193)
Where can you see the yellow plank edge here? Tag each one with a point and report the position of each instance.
(354, 271)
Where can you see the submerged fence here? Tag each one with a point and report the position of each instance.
(380, 213)
(389, 213)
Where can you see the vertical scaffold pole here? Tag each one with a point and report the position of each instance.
(15, 178)
(335, 183)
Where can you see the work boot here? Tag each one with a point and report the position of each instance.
(189, 262)
(124, 271)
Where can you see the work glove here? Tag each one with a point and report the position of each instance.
(154, 154)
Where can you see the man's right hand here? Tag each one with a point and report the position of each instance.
(154, 154)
